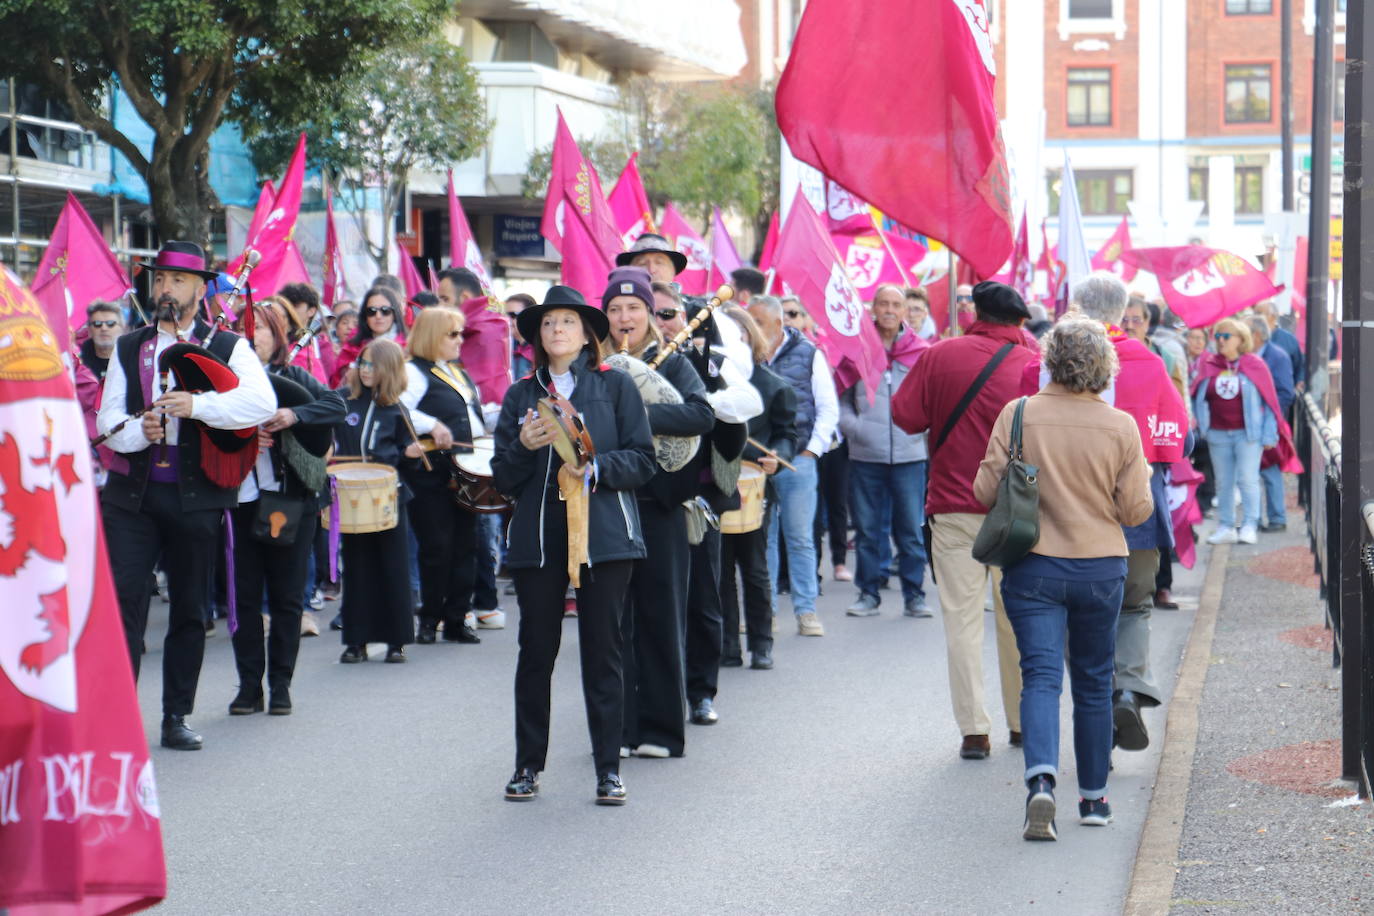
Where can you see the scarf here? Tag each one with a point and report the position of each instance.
(1284, 455)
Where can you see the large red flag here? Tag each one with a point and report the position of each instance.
(724, 258)
(269, 239)
(844, 210)
(334, 290)
(924, 148)
(808, 261)
(487, 347)
(577, 219)
(874, 258)
(79, 819)
(1203, 285)
(1108, 257)
(629, 203)
(293, 269)
(684, 238)
(462, 246)
(77, 268)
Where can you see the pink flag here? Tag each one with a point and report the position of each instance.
(487, 347)
(684, 238)
(770, 244)
(1022, 271)
(270, 238)
(629, 204)
(334, 290)
(724, 257)
(577, 219)
(80, 824)
(1109, 257)
(807, 259)
(1184, 510)
(405, 269)
(844, 211)
(293, 269)
(1203, 285)
(874, 257)
(462, 247)
(433, 277)
(77, 268)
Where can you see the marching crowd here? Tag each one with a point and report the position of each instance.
(668, 476)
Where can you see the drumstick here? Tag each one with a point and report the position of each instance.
(428, 444)
(424, 459)
(770, 453)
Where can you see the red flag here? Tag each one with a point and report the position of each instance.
(629, 204)
(937, 291)
(807, 259)
(1022, 271)
(79, 819)
(270, 238)
(487, 347)
(1108, 257)
(462, 247)
(770, 243)
(845, 211)
(433, 277)
(924, 148)
(684, 238)
(77, 268)
(874, 257)
(267, 196)
(293, 269)
(334, 288)
(724, 258)
(1203, 285)
(577, 219)
(1184, 510)
(405, 269)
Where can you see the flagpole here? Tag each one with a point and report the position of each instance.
(953, 296)
(133, 301)
(887, 246)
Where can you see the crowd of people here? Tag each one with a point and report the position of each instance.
(669, 482)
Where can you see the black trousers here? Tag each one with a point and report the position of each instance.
(704, 621)
(282, 571)
(187, 542)
(447, 540)
(1202, 463)
(653, 627)
(600, 606)
(377, 604)
(749, 554)
(1165, 577)
(832, 509)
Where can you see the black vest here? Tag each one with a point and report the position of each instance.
(197, 492)
(443, 402)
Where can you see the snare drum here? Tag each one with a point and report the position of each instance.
(749, 516)
(366, 496)
(472, 485)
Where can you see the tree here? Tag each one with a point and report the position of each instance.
(417, 104)
(186, 65)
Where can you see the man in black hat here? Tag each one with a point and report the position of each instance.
(158, 500)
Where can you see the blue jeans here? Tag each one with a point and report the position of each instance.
(1041, 611)
(794, 514)
(887, 503)
(1274, 506)
(1235, 463)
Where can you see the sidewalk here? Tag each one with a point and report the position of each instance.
(1249, 814)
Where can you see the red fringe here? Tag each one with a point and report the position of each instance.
(226, 469)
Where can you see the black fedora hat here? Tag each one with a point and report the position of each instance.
(187, 257)
(561, 297)
(651, 241)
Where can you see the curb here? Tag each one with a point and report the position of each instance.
(1156, 866)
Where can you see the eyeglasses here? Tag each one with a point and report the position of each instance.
(963, 298)
(383, 310)
(112, 323)
(365, 364)
(1130, 320)
(667, 314)
(454, 335)
(793, 313)
(1222, 335)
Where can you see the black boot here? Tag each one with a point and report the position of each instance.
(1129, 727)
(248, 701)
(280, 702)
(177, 735)
(429, 631)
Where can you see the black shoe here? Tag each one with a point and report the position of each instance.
(610, 790)
(1130, 727)
(1015, 739)
(177, 735)
(337, 622)
(354, 654)
(461, 633)
(280, 702)
(760, 661)
(248, 701)
(210, 625)
(523, 786)
(429, 632)
(396, 655)
(1039, 809)
(1272, 527)
(732, 661)
(703, 713)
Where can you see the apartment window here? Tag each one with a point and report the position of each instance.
(1090, 9)
(1089, 102)
(1249, 7)
(1197, 186)
(1249, 189)
(1100, 193)
(523, 42)
(1248, 94)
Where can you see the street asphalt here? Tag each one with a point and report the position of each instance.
(832, 784)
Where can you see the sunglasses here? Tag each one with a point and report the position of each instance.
(1222, 335)
(667, 314)
(963, 298)
(793, 313)
(112, 323)
(383, 310)
(454, 335)
(1131, 320)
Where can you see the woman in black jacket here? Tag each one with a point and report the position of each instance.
(286, 481)
(564, 332)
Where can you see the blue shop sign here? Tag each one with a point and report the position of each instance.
(517, 236)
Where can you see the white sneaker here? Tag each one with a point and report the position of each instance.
(470, 620)
(494, 619)
(1224, 536)
(652, 750)
(809, 625)
(1247, 534)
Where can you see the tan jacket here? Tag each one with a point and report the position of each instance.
(1092, 476)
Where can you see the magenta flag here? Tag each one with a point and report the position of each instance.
(806, 258)
(770, 244)
(1203, 285)
(874, 258)
(629, 203)
(845, 211)
(577, 219)
(1184, 511)
(270, 237)
(1108, 257)
(924, 148)
(684, 238)
(293, 269)
(487, 348)
(333, 258)
(724, 258)
(405, 269)
(462, 246)
(77, 268)
(80, 822)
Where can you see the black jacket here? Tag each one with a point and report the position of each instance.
(615, 417)
(693, 417)
(376, 433)
(776, 427)
(443, 402)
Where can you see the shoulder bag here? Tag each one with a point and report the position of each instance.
(1012, 526)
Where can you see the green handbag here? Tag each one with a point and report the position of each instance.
(1012, 526)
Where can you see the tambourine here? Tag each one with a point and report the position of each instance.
(571, 439)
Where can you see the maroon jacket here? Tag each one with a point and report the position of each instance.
(934, 387)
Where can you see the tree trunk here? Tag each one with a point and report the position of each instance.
(180, 192)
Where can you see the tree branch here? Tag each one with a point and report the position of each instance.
(61, 78)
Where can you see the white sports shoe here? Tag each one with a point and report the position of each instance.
(652, 750)
(495, 619)
(1225, 536)
(1247, 534)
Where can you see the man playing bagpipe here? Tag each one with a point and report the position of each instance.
(180, 410)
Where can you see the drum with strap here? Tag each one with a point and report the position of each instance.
(365, 494)
(473, 487)
(749, 516)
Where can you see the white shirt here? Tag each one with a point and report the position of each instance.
(417, 385)
(564, 384)
(251, 403)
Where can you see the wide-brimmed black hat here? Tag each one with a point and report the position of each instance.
(561, 297)
(651, 241)
(187, 257)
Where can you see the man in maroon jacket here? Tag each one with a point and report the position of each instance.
(929, 402)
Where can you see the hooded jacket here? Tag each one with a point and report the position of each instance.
(868, 428)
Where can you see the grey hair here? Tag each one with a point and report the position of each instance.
(769, 304)
(1259, 330)
(1079, 356)
(1100, 296)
